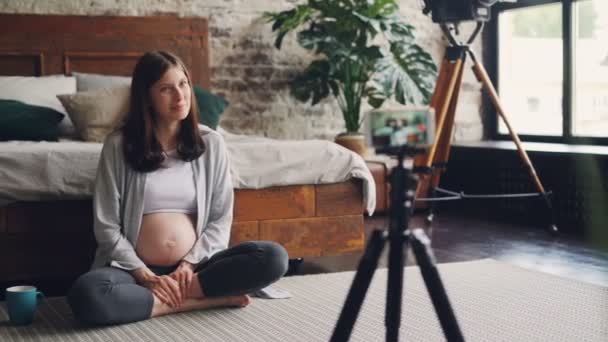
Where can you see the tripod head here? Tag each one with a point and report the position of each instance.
(449, 29)
(443, 11)
(403, 182)
(450, 13)
(402, 151)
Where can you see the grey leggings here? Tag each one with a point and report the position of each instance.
(110, 295)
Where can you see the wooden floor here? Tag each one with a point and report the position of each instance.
(460, 238)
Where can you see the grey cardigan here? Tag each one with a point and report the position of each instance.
(118, 203)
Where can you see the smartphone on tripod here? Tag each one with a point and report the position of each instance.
(390, 128)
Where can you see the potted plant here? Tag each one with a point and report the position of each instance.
(364, 49)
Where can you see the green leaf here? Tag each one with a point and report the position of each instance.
(279, 40)
(408, 74)
(335, 88)
(374, 25)
(377, 8)
(375, 102)
(400, 32)
(374, 97)
(399, 92)
(277, 24)
(371, 53)
(286, 21)
(316, 38)
(312, 83)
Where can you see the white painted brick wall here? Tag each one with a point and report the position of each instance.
(251, 74)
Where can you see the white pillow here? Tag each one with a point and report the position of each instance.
(97, 113)
(86, 82)
(40, 91)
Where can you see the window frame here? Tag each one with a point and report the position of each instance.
(492, 44)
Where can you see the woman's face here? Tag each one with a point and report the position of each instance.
(170, 96)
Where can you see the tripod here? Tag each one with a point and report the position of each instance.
(403, 183)
(444, 100)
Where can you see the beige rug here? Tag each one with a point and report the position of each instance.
(492, 300)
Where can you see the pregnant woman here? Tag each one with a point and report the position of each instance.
(163, 206)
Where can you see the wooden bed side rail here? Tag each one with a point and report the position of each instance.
(55, 238)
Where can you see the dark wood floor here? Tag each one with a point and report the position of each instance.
(456, 237)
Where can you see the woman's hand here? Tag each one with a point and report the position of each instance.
(183, 275)
(164, 287)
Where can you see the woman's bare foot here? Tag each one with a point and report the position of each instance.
(190, 304)
(244, 301)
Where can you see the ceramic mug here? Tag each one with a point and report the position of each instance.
(22, 302)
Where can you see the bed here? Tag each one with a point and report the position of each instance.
(46, 227)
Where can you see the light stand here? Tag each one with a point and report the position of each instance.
(403, 182)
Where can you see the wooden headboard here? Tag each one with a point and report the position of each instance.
(36, 45)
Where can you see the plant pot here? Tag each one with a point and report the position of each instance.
(352, 141)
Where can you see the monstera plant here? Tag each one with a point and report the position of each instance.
(364, 49)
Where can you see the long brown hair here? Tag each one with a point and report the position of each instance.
(142, 148)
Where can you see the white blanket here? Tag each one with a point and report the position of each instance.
(262, 162)
(31, 171)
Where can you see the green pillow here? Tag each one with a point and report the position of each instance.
(20, 121)
(210, 107)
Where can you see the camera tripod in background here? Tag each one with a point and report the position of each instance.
(444, 100)
(399, 236)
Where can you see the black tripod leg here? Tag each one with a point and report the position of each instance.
(356, 294)
(431, 213)
(550, 213)
(424, 257)
(398, 244)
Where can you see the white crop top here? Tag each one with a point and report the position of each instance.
(170, 188)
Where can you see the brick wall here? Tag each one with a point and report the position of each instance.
(251, 74)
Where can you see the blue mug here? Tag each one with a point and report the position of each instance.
(22, 302)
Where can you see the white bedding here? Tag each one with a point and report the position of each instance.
(31, 171)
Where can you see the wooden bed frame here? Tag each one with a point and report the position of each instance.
(55, 238)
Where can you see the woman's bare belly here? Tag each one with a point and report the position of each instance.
(165, 238)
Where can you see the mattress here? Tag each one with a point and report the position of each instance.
(33, 171)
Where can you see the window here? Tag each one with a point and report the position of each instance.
(552, 69)
(590, 92)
